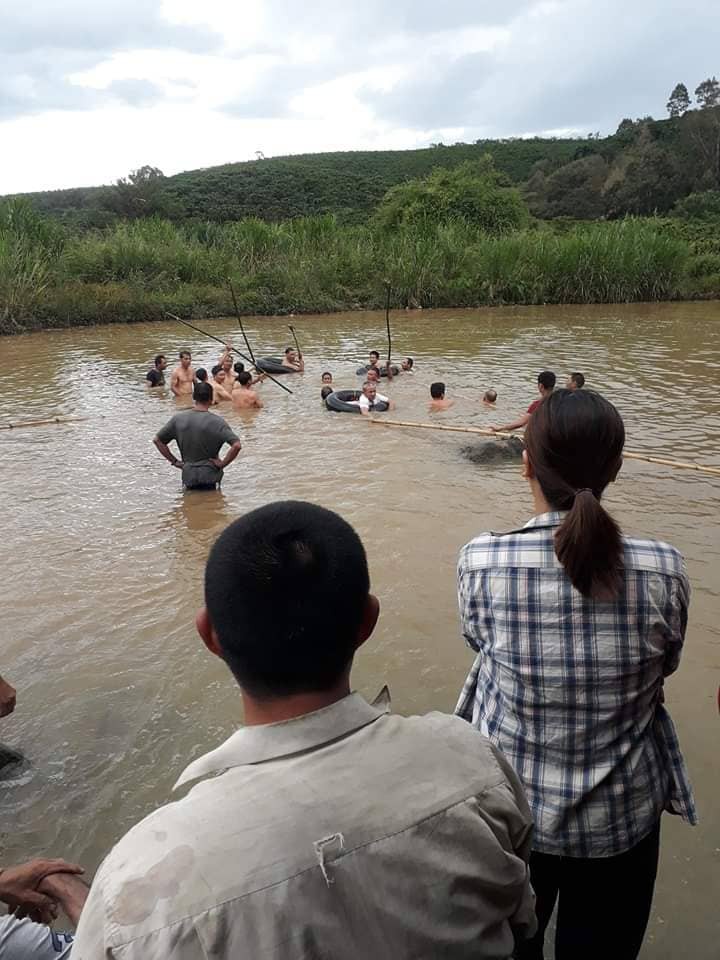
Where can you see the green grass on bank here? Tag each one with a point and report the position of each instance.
(136, 270)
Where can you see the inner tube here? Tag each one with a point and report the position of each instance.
(339, 402)
(274, 365)
(361, 371)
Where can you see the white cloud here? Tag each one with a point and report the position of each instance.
(90, 90)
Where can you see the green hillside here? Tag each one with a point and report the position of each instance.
(349, 184)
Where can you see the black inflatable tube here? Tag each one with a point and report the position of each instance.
(274, 365)
(361, 371)
(339, 402)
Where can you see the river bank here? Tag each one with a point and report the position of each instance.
(137, 270)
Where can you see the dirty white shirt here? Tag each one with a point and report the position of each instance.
(346, 834)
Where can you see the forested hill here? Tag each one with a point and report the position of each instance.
(350, 184)
(646, 167)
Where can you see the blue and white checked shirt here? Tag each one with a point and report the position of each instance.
(571, 689)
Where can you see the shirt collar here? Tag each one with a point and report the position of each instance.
(552, 519)
(270, 741)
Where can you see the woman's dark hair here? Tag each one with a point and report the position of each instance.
(574, 444)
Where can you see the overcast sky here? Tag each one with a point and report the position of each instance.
(90, 89)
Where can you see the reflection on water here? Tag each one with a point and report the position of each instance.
(104, 554)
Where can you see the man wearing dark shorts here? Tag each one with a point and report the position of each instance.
(199, 435)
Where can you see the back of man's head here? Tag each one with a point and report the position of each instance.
(490, 396)
(244, 378)
(286, 587)
(216, 369)
(201, 374)
(437, 390)
(202, 393)
(547, 379)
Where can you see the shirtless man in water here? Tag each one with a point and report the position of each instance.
(220, 387)
(438, 399)
(243, 396)
(294, 360)
(183, 376)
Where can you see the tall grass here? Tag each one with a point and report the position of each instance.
(136, 270)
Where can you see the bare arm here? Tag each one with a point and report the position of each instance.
(175, 382)
(7, 698)
(167, 453)
(515, 425)
(234, 450)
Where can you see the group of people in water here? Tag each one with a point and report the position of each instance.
(326, 826)
(200, 438)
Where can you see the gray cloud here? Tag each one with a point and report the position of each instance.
(44, 42)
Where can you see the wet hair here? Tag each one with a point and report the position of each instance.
(216, 369)
(578, 379)
(286, 589)
(574, 444)
(289, 350)
(184, 353)
(410, 362)
(374, 353)
(238, 367)
(326, 373)
(547, 379)
(201, 374)
(325, 392)
(159, 358)
(490, 396)
(437, 390)
(244, 378)
(203, 393)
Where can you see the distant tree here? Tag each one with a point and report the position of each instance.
(473, 191)
(140, 194)
(704, 129)
(575, 190)
(646, 178)
(679, 102)
(707, 93)
(699, 206)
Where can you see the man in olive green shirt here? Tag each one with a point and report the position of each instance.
(326, 827)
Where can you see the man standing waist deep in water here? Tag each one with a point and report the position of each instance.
(199, 435)
(183, 376)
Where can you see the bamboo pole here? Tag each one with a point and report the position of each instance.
(40, 423)
(627, 454)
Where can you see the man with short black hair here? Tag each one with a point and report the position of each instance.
(325, 826)
(437, 397)
(546, 384)
(576, 381)
(294, 360)
(219, 384)
(183, 376)
(243, 395)
(407, 364)
(156, 375)
(199, 435)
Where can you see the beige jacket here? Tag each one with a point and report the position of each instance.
(346, 834)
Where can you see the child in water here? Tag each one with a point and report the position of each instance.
(489, 398)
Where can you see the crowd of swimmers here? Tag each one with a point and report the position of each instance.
(200, 439)
(327, 826)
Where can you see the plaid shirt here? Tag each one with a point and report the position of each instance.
(571, 689)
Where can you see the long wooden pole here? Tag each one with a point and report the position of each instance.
(213, 337)
(627, 454)
(237, 314)
(41, 423)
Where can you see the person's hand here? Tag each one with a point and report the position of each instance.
(8, 696)
(217, 462)
(493, 429)
(69, 891)
(18, 888)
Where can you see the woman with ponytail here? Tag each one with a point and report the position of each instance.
(575, 627)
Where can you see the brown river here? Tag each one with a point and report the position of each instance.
(104, 554)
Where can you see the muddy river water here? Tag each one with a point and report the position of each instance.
(103, 554)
